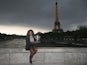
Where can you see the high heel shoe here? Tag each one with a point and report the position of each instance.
(30, 61)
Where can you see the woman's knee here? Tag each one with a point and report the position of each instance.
(31, 51)
(35, 50)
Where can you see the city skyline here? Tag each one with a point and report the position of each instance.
(17, 16)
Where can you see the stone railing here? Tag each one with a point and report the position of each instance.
(52, 56)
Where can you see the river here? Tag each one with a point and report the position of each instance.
(15, 43)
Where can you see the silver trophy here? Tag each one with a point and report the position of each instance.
(37, 37)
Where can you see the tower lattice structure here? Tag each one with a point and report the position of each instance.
(57, 25)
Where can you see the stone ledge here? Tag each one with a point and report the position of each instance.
(45, 56)
(45, 50)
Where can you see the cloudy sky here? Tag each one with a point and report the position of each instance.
(17, 16)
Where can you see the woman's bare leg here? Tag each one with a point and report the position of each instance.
(31, 55)
(35, 50)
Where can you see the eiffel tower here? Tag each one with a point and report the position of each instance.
(57, 25)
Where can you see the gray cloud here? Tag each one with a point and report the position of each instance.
(41, 13)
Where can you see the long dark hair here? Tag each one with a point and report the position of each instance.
(29, 32)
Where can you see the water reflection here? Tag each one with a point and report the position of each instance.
(15, 43)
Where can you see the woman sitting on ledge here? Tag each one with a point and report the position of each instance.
(30, 44)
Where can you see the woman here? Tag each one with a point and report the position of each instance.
(30, 44)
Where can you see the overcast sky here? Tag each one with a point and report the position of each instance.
(17, 16)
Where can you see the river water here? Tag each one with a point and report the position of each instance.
(20, 43)
(15, 43)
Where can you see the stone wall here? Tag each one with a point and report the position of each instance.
(45, 56)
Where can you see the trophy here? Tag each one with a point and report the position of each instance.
(37, 37)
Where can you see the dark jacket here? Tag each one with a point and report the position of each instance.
(28, 43)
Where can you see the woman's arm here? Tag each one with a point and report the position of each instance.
(27, 40)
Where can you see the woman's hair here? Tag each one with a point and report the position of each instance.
(29, 32)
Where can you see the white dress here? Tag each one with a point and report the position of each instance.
(32, 39)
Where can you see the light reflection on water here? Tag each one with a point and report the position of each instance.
(15, 43)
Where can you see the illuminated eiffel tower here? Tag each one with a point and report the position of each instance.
(57, 25)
